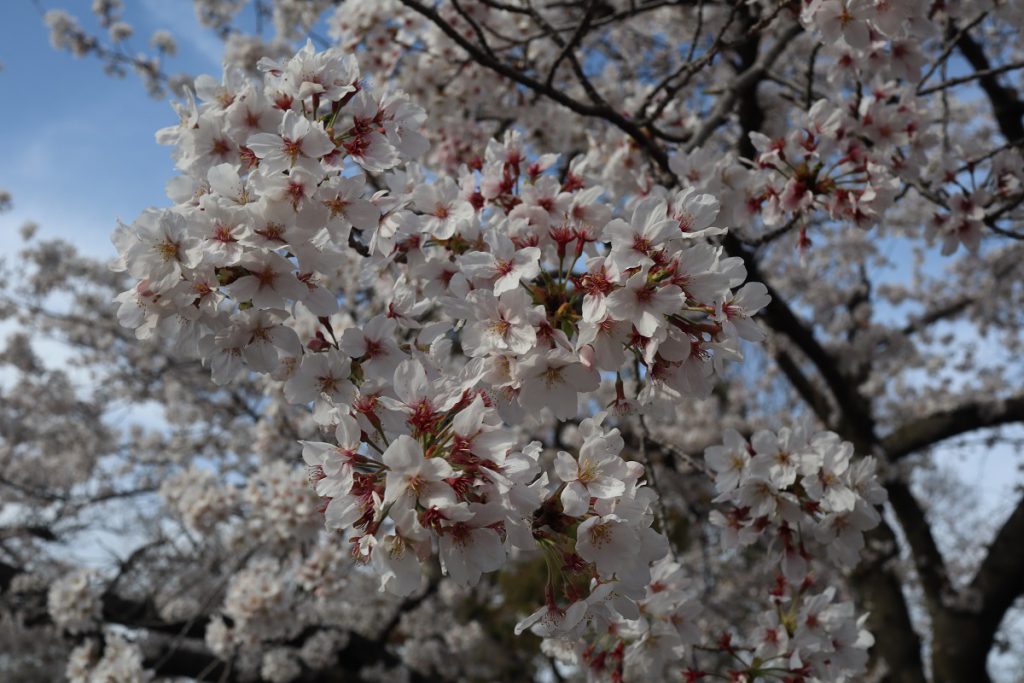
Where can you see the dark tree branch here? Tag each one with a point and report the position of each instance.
(880, 591)
(744, 82)
(575, 40)
(818, 402)
(1006, 106)
(986, 73)
(928, 560)
(606, 113)
(931, 429)
(1000, 579)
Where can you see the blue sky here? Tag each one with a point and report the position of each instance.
(79, 148)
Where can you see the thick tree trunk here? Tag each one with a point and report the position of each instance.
(960, 647)
(897, 648)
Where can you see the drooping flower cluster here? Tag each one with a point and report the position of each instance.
(198, 498)
(258, 602)
(506, 258)
(495, 297)
(804, 493)
(806, 636)
(507, 262)
(595, 536)
(822, 504)
(807, 496)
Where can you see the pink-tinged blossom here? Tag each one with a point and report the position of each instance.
(600, 280)
(415, 478)
(646, 304)
(156, 247)
(553, 380)
(635, 242)
(471, 548)
(478, 433)
(321, 375)
(500, 324)
(329, 75)
(221, 227)
(602, 344)
(374, 346)
(300, 142)
(777, 457)
(736, 313)
(610, 543)
(255, 335)
(296, 189)
(829, 485)
(363, 142)
(423, 400)
(596, 474)
(730, 461)
(442, 207)
(552, 621)
(841, 20)
(504, 267)
(695, 213)
(402, 120)
(251, 113)
(270, 283)
(347, 208)
(395, 560)
(331, 465)
(226, 184)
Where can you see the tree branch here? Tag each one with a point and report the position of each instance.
(931, 429)
(1006, 107)
(928, 560)
(1000, 579)
(630, 128)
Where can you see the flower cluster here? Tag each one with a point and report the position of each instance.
(499, 296)
(831, 162)
(879, 37)
(805, 493)
(506, 257)
(809, 499)
(74, 601)
(257, 595)
(648, 642)
(540, 286)
(806, 637)
(888, 132)
(121, 662)
(198, 498)
(595, 537)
